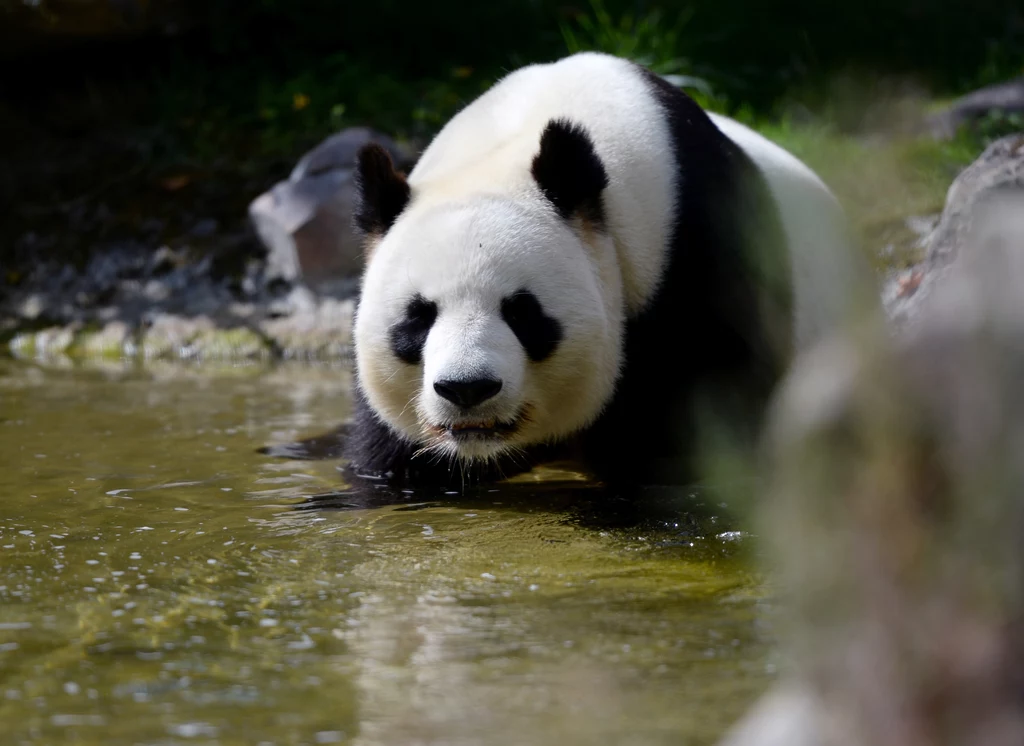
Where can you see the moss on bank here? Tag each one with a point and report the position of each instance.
(181, 339)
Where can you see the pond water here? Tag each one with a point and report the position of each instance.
(163, 582)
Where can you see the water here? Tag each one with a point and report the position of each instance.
(162, 582)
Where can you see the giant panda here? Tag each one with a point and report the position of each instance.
(582, 264)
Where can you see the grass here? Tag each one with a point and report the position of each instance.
(649, 39)
(879, 182)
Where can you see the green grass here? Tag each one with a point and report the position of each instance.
(880, 182)
(651, 39)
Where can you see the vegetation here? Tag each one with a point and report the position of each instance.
(203, 121)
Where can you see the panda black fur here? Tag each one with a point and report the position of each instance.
(704, 314)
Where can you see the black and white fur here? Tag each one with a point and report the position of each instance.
(582, 263)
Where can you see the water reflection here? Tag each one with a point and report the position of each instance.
(162, 582)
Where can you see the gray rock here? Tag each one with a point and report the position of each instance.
(338, 152)
(301, 300)
(113, 340)
(1005, 98)
(1000, 168)
(306, 221)
(204, 228)
(989, 187)
(922, 225)
(163, 260)
(324, 334)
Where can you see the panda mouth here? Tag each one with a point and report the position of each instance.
(484, 428)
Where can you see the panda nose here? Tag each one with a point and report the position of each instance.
(468, 393)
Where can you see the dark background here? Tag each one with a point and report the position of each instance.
(756, 49)
(118, 103)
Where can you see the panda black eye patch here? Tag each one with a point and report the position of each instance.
(409, 335)
(538, 333)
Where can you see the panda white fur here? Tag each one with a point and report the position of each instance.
(580, 263)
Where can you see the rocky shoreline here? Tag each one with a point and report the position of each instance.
(128, 303)
(280, 285)
(245, 302)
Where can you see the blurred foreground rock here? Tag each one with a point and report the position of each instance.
(896, 511)
(306, 221)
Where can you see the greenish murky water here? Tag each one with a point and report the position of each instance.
(161, 582)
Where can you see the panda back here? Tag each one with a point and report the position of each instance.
(826, 270)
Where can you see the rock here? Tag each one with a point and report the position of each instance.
(33, 307)
(325, 334)
(45, 344)
(169, 336)
(162, 261)
(1000, 168)
(238, 343)
(993, 183)
(1004, 98)
(922, 225)
(300, 300)
(306, 221)
(204, 228)
(113, 340)
(166, 306)
(174, 337)
(338, 152)
(894, 511)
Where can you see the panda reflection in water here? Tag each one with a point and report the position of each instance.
(582, 264)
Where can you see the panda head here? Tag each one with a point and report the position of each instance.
(491, 322)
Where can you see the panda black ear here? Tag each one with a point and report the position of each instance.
(569, 171)
(383, 191)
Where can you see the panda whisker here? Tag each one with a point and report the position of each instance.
(497, 465)
(426, 450)
(409, 403)
(517, 455)
(390, 378)
(453, 463)
(437, 448)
